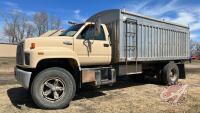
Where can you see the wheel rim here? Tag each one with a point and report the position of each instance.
(173, 74)
(53, 89)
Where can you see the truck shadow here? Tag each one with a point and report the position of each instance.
(20, 97)
(88, 91)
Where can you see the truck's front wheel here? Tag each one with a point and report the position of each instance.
(53, 88)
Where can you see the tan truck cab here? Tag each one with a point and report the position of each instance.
(72, 49)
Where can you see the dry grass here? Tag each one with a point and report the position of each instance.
(193, 62)
(125, 96)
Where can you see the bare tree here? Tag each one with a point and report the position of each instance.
(17, 27)
(30, 29)
(195, 48)
(54, 23)
(21, 27)
(12, 23)
(41, 22)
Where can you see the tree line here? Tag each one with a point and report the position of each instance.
(195, 48)
(19, 26)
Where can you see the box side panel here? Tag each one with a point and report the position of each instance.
(155, 40)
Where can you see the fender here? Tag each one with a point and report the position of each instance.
(42, 53)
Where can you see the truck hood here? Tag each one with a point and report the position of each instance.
(45, 42)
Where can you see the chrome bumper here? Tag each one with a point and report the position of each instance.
(23, 77)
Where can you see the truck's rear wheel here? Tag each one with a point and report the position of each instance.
(170, 74)
(53, 88)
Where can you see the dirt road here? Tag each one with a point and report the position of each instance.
(126, 96)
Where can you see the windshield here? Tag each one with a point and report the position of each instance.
(72, 30)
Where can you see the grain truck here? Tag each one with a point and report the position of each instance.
(109, 44)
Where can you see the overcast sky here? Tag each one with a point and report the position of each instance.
(186, 12)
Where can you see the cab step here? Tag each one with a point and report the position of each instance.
(106, 81)
(99, 76)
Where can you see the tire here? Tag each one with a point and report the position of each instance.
(170, 74)
(53, 88)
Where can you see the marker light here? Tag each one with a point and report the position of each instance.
(32, 46)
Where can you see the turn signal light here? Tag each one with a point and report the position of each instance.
(32, 46)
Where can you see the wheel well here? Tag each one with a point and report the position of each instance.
(70, 65)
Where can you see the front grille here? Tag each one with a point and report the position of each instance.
(20, 54)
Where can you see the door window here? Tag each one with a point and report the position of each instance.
(101, 35)
(89, 33)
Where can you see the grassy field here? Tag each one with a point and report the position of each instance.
(126, 96)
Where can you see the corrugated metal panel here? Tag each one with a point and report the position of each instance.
(156, 40)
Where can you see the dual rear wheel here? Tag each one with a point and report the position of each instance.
(168, 74)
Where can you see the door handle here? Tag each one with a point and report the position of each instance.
(106, 45)
(67, 43)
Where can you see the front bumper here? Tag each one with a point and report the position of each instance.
(23, 77)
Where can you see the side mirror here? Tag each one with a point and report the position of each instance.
(97, 26)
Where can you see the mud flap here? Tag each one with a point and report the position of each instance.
(181, 68)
